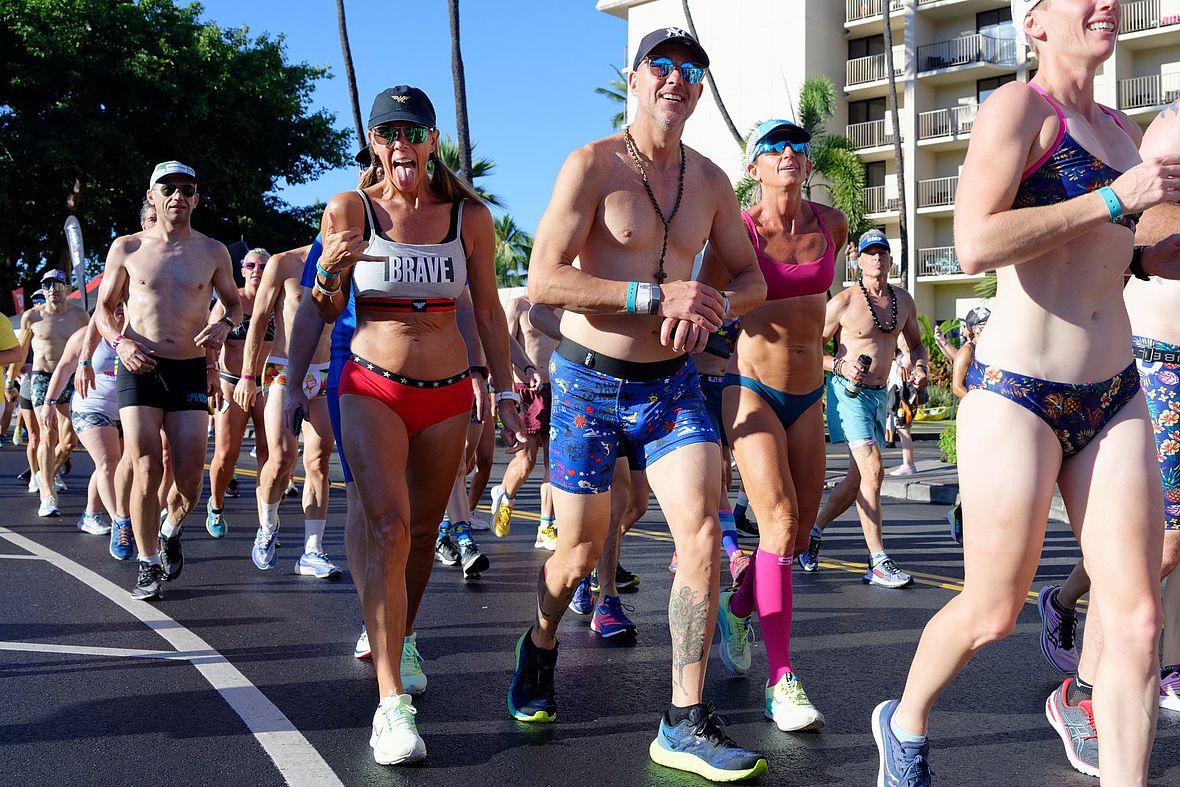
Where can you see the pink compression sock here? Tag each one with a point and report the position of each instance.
(773, 593)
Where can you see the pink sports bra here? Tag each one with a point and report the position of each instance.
(792, 279)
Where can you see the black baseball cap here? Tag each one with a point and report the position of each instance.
(364, 157)
(977, 316)
(673, 35)
(404, 104)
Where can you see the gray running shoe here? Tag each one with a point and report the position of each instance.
(445, 551)
(1075, 725)
(885, 574)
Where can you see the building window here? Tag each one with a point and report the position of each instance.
(985, 87)
(865, 111)
(990, 22)
(874, 174)
(863, 47)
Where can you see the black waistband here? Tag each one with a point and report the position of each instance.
(615, 367)
(410, 381)
(1153, 355)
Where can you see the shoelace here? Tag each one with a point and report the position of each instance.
(888, 566)
(1088, 710)
(1067, 632)
(412, 658)
(399, 715)
(917, 771)
(711, 726)
(615, 606)
(263, 540)
(791, 692)
(321, 556)
(124, 535)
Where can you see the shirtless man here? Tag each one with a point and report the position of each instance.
(166, 275)
(626, 211)
(47, 330)
(866, 321)
(534, 407)
(280, 292)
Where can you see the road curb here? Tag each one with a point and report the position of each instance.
(946, 492)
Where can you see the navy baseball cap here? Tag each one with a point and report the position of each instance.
(364, 157)
(977, 316)
(775, 129)
(670, 35)
(403, 104)
(873, 238)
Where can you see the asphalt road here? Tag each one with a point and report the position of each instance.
(246, 677)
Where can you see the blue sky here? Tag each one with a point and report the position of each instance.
(531, 65)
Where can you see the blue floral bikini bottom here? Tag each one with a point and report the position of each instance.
(1076, 412)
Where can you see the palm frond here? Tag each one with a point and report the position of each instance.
(845, 176)
(817, 104)
(746, 191)
(448, 151)
(986, 287)
(616, 91)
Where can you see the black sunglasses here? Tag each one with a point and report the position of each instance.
(168, 189)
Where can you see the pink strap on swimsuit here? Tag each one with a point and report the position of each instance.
(792, 279)
(1061, 130)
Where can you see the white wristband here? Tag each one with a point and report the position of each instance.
(512, 396)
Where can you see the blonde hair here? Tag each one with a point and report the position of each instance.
(448, 185)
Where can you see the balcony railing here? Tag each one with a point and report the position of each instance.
(856, 10)
(1148, 91)
(938, 261)
(937, 192)
(869, 69)
(877, 202)
(1145, 15)
(963, 51)
(871, 134)
(953, 122)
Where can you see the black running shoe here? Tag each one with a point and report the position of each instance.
(292, 489)
(231, 490)
(743, 524)
(445, 551)
(624, 579)
(67, 467)
(170, 556)
(150, 586)
(530, 695)
(25, 476)
(474, 561)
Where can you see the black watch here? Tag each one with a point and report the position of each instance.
(226, 319)
(1136, 266)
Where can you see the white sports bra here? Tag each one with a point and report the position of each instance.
(415, 277)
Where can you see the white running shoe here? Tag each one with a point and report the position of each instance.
(395, 739)
(789, 708)
(480, 522)
(59, 484)
(93, 524)
(413, 679)
(34, 485)
(903, 470)
(362, 649)
(48, 507)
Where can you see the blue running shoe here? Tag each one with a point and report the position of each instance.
(699, 745)
(215, 523)
(583, 601)
(955, 518)
(901, 764)
(610, 619)
(122, 541)
(530, 695)
(809, 559)
(316, 564)
(263, 551)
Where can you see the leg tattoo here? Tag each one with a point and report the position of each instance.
(550, 608)
(686, 617)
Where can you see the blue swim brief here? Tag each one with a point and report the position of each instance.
(856, 420)
(595, 415)
(712, 385)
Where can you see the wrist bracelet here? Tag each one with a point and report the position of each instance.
(1113, 206)
(115, 343)
(632, 293)
(249, 377)
(727, 308)
(1136, 266)
(482, 371)
(85, 362)
(324, 291)
(326, 274)
(511, 396)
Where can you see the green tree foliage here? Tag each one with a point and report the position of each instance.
(616, 92)
(833, 157)
(93, 93)
(986, 287)
(448, 151)
(514, 246)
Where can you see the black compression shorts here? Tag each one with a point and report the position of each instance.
(174, 385)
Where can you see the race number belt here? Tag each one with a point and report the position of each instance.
(1153, 355)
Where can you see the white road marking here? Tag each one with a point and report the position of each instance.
(297, 760)
(86, 650)
(21, 557)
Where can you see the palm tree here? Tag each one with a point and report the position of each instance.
(461, 127)
(514, 246)
(349, 73)
(737, 137)
(448, 151)
(616, 91)
(986, 287)
(898, 162)
(832, 157)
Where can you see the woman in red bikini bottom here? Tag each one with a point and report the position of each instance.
(405, 393)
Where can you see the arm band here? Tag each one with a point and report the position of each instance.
(86, 362)
(1113, 206)
(326, 274)
(632, 292)
(482, 371)
(249, 377)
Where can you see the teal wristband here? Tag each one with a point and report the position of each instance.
(632, 293)
(325, 273)
(1112, 203)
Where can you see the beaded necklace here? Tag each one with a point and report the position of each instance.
(667, 222)
(892, 303)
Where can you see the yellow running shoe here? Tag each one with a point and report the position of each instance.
(501, 511)
(546, 536)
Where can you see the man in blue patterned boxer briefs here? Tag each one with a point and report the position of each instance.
(615, 250)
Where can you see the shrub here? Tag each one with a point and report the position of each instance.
(946, 443)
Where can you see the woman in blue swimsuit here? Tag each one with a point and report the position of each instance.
(1048, 191)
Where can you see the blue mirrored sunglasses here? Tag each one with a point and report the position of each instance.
(661, 67)
(800, 148)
